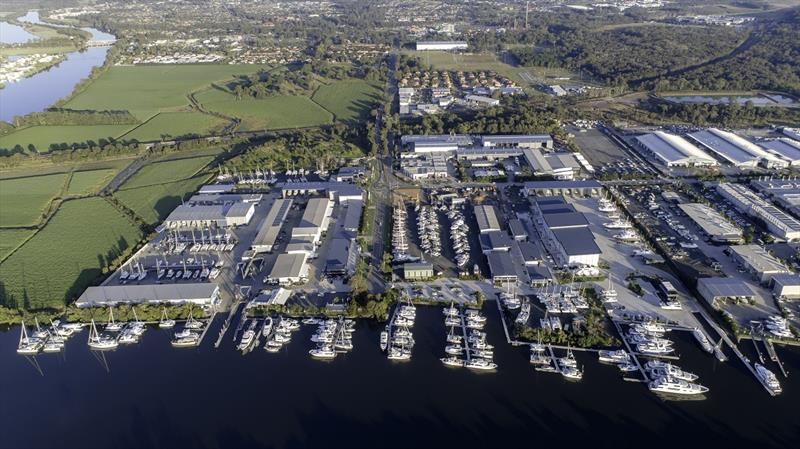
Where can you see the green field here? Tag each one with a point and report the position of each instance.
(153, 203)
(147, 90)
(11, 238)
(270, 113)
(85, 182)
(348, 100)
(167, 171)
(22, 200)
(41, 137)
(66, 255)
(169, 125)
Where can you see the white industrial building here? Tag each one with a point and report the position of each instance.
(338, 191)
(480, 100)
(315, 220)
(561, 166)
(784, 148)
(289, 269)
(736, 150)
(517, 141)
(718, 290)
(271, 226)
(673, 151)
(786, 286)
(201, 294)
(216, 215)
(486, 217)
(712, 223)
(758, 262)
(568, 231)
(746, 201)
(440, 45)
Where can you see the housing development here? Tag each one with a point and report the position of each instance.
(580, 199)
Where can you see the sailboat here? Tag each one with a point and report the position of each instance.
(165, 323)
(28, 345)
(192, 323)
(101, 342)
(112, 326)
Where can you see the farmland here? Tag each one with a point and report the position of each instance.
(41, 137)
(149, 89)
(153, 203)
(166, 171)
(24, 199)
(86, 182)
(271, 113)
(169, 125)
(348, 100)
(11, 238)
(65, 256)
(442, 60)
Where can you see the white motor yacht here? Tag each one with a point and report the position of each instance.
(399, 353)
(669, 370)
(190, 340)
(768, 378)
(248, 337)
(618, 356)
(384, 340)
(52, 346)
(617, 224)
(703, 340)
(627, 367)
(452, 361)
(323, 352)
(673, 386)
(571, 373)
(481, 364)
(452, 321)
(266, 326)
(128, 338)
(454, 349)
(273, 346)
(651, 348)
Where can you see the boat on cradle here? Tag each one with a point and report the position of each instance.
(100, 342)
(617, 356)
(323, 352)
(165, 322)
(671, 386)
(28, 345)
(112, 326)
(701, 338)
(768, 378)
(452, 361)
(481, 364)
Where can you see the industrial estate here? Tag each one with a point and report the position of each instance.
(324, 182)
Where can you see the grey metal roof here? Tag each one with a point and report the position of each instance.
(501, 264)
(759, 259)
(239, 210)
(271, 226)
(516, 228)
(495, 240)
(178, 292)
(352, 217)
(486, 215)
(216, 188)
(787, 148)
(338, 254)
(530, 252)
(581, 184)
(511, 138)
(288, 266)
(577, 241)
(185, 212)
(315, 213)
(565, 220)
(724, 287)
(786, 279)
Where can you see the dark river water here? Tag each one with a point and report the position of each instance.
(153, 395)
(36, 93)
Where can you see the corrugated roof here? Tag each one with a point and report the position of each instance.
(288, 266)
(501, 264)
(147, 293)
(577, 241)
(565, 220)
(486, 216)
(724, 287)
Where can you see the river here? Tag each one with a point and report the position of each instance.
(153, 395)
(40, 91)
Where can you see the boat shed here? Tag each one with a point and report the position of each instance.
(785, 148)
(502, 267)
(417, 271)
(517, 230)
(201, 294)
(486, 215)
(218, 215)
(736, 150)
(271, 226)
(717, 290)
(216, 188)
(673, 151)
(289, 269)
(517, 141)
(786, 286)
(758, 262)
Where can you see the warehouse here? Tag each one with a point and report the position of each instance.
(517, 141)
(517, 230)
(486, 216)
(792, 133)
(201, 294)
(440, 45)
(673, 151)
(480, 100)
(220, 215)
(562, 166)
(224, 198)
(786, 286)
(341, 259)
(417, 271)
(495, 241)
(568, 230)
(531, 255)
(718, 290)
(502, 267)
(271, 226)
(486, 153)
(758, 262)
(299, 245)
(415, 141)
(576, 188)
(426, 166)
(289, 269)
(784, 148)
(212, 189)
(736, 150)
(315, 220)
(717, 228)
(784, 192)
(576, 247)
(338, 191)
(352, 217)
(746, 201)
